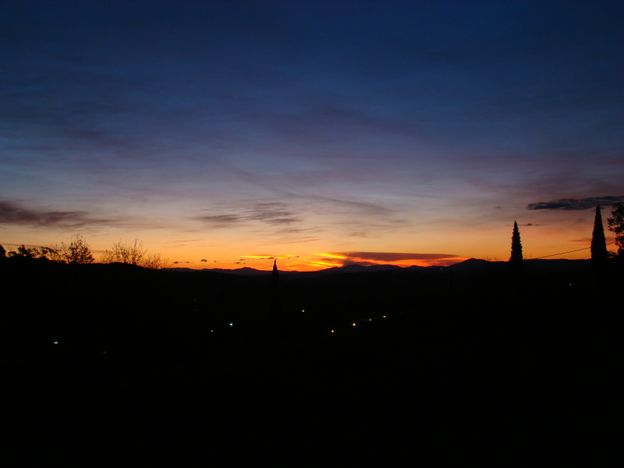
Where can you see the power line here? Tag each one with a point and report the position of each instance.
(569, 251)
(562, 253)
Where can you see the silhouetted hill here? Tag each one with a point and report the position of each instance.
(474, 264)
(444, 366)
(344, 269)
(240, 271)
(557, 265)
(235, 271)
(470, 265)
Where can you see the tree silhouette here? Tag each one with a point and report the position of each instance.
(76, 252)
(2, 253)
(22, 252)
(616, 224)
(599, 253)
(121, 253)
(133, 254)
(30, 253)
(516, 247)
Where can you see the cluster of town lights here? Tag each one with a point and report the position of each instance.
(355, 324)
(332, 331)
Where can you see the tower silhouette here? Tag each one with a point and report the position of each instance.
(275, 274)
(599, 253)
(275, 293)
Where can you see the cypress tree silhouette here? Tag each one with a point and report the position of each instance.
(599, 253)
(516, 248)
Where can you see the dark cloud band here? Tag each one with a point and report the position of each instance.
(12, 213)
(569, 204)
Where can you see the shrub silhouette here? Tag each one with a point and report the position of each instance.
(133, 254)
(76, 252)
(21, 252)
(30, 253)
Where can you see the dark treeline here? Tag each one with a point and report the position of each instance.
(472, 363)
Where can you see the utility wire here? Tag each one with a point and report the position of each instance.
(562, 253)
(569, 251)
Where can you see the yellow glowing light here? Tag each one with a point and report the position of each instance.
(324, 264)
(331, 255)
(354, 324)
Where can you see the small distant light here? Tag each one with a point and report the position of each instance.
(55, 342)
(354, 324)
(370, 319)
(570, 284)
(211, 330)
(231, 324)
(332, 331)
(302, 311)
(383, 316)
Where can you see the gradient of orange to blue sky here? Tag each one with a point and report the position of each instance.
(224, 133)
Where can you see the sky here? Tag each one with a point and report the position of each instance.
(222, 133)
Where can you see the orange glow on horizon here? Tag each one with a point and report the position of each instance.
(550, 235)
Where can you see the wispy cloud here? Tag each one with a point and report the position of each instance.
(569, 204)
(13, 213)
(353, 206)
(224, 220)
(272, 213)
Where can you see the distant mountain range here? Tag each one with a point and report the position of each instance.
(472, 264)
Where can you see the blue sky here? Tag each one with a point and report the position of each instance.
(307, 126)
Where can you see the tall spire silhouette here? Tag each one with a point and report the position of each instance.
(275, 272)
(275, 291)
(516, 247)
(598, 243)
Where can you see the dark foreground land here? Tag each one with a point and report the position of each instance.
(115, 366)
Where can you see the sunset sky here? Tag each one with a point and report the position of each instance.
(223, 133)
